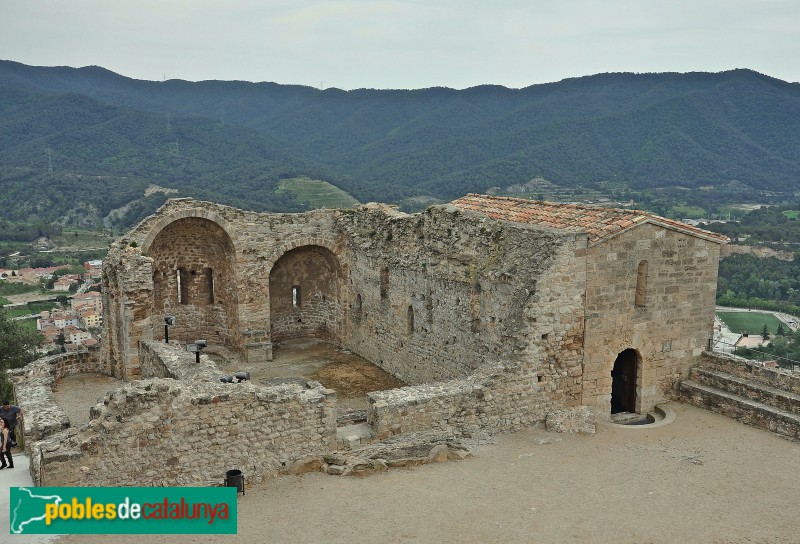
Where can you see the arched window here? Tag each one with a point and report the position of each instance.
(296, 296)
(641, 285)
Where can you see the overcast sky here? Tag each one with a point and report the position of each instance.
(407, 44)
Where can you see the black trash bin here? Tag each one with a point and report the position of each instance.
(235, 478)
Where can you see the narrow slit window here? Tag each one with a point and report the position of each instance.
(357, 309)
(183, 286)
(296, 296)
(384, 283)
(210, 286)
(641, 284)
(410, 320)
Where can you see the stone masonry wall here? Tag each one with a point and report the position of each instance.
(33, 386)
(165, 432)
(433, 296)
(670, 324)
(427, 297)
(499, 397)
(749, 370)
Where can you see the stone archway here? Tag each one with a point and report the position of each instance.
(305, 294)
(194, 263)
(624, 378)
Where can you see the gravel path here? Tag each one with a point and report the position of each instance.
(702, 479)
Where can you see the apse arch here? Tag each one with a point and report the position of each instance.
(305, 294)
(193, 272)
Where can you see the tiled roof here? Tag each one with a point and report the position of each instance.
(599, 223)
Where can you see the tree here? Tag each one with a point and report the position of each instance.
(61, 340)
(18, 347)
(780, 331)
(765, 332)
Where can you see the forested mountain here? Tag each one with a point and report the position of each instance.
(697, 138)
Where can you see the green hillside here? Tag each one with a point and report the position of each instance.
(76, 144)
(315, 193)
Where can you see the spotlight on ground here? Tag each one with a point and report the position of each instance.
(242, 376)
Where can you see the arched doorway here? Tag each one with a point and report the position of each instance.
(304, 295)
(623, 382)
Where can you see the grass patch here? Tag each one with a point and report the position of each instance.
(688, 212)
(4, 301)
(752, 322)
(792, 214)
(31, 308)
(316, 193)
(8, 288)
(28, 323)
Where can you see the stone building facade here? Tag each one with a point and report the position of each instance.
(499, 313)
(598, 302)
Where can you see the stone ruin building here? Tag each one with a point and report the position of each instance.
(498, 313)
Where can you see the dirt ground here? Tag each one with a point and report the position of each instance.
(77, 394)
(702, 479)
(351, 376)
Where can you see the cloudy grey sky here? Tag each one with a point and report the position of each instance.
(403, 43)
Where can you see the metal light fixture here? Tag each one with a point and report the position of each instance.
(196, 348)
(169, 320)
(242, 376)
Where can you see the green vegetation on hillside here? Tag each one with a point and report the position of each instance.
(747, 281)
(315, 193)
(80, 146)
(774, 224)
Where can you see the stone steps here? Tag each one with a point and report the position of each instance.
(353, 436)
(772, 396)
(746, 410)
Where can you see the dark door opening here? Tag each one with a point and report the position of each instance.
(623, 382)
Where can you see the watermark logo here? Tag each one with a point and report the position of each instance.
(123, 510)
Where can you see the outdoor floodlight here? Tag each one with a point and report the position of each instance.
(196, 348)
(242, 376)
(226, 379)
(168, 321)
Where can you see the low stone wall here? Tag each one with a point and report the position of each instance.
(33, 385)
(498, 398)
(162, 432)
(752, 371)
(160, 360)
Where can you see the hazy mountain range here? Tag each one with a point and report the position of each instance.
(76, 144)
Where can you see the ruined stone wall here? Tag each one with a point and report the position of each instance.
(33, 388)
(165, 432)
(499, 397)
(304, 294)
(194, 279)
(159, 360)
(668, 323)
(142, 268)
(433, 296)
(751, 371)
(427, 297)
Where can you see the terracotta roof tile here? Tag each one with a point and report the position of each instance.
(599, 223)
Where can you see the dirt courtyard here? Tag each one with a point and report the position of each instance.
(351, 376)
(702, 479)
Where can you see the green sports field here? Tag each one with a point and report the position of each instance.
(752, 322)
